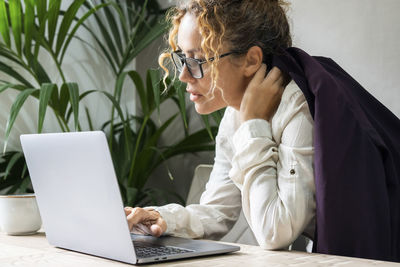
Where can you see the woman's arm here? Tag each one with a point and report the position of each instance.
(276, 179)
(219, 206)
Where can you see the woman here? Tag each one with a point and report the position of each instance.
(264, 147)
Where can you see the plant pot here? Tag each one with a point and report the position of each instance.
(19, 214)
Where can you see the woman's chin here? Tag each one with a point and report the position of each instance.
(205, 110)
(201, 109)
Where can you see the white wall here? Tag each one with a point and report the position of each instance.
(363, 36)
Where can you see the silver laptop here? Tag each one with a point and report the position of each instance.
(81, 206)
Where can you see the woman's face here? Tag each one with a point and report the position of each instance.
(231, 82)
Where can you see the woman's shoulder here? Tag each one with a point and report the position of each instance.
(292, 92)
(293, 106)
(292, 99)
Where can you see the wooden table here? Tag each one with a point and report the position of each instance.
(35, 251)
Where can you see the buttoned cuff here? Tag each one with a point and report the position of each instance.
(254, 128)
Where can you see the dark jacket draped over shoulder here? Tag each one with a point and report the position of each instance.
(357, 160)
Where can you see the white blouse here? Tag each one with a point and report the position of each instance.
(264, 168)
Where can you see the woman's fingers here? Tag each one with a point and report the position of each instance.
(156, 230)
(274, 74)
(127, 210)
(262, 96)
(274, 79)
(139, 215)
(146, 221)
(258, 77)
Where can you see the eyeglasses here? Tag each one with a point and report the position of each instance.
(193, 65)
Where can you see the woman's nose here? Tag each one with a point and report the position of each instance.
(185, 76)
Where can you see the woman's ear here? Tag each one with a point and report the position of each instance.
(253, 61)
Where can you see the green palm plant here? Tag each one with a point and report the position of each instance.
(125, 29)
(34, 31)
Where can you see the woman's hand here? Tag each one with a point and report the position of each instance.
(263, 94)
(146, 221)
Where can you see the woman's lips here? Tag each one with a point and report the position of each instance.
(194, 97)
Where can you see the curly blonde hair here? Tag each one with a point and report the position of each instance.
(240, 24)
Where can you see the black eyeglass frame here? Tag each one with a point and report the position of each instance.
(198, 61)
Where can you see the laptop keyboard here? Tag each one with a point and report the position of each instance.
(146, 250)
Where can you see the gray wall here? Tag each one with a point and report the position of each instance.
(363, 36)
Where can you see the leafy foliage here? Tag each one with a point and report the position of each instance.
(13, 173)
(121, 29)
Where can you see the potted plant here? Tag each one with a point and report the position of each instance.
(124, 29)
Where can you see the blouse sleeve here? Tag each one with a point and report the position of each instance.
(219, 207)
(276, 176)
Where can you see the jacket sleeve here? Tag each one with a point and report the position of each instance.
(276, 176)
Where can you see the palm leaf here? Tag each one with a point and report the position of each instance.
(39, 35)
(131, 195)
(11, 72)
(11, 163)
(119, 86)
(198, 141)
(73, 90)
(17, 87)
(38, 70)
(29, 26)
(76, 27)
(180, 91)
(208, 126)
(15, 108)
(137, 80)
(41, 10)
(5, 52)
(54, 100)
(151, 99)
(107, 38)
(129, 8)
(66, 23)
(103, 49)
(152, 34)
(110, 97)
(113, 27)
(3, 87)
(140, 17)
(123, 19)
(16, 23)
(145, 159)
(46, 91)
(63, 100)
(155, 80)
(218, 115)
(4, 30)
(89, 119)
(136, 149)
(54, 10)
